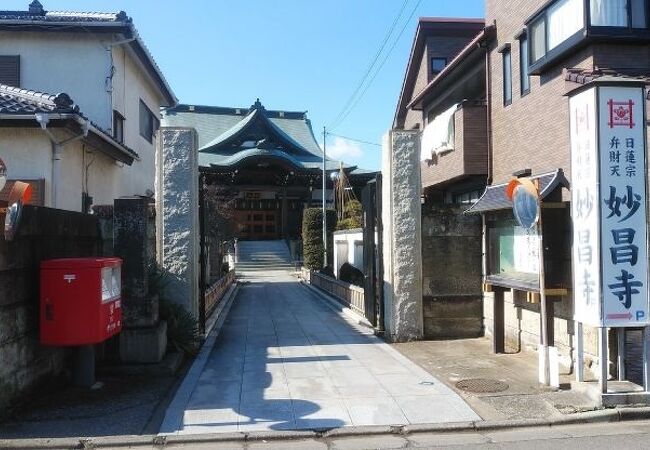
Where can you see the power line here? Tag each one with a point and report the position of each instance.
(358, 99)
(353, 139)
(370, 67)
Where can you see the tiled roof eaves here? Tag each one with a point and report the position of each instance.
(108, 138)
(14, 100)
(17, 103)
(494, 196)
(583, 76)
(224, 110)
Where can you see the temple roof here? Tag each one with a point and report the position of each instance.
(231, 137)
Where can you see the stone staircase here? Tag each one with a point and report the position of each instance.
(258, 257)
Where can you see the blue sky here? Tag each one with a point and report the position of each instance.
(295, 55)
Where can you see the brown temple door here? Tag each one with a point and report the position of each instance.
(257, 225)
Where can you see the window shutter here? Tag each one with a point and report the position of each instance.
(10, 70)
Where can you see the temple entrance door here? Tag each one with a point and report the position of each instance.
(258, 225)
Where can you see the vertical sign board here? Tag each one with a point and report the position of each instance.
(623, 198)
(608, 206)
(584, 208)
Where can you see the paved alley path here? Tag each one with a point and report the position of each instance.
(287, 360)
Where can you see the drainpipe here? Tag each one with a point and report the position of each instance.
(57, 151)
(488, 95)
(111, 68)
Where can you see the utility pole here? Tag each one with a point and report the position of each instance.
(324, 198)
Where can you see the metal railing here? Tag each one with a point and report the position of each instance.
(216, 291)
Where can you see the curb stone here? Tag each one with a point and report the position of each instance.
(608, 415)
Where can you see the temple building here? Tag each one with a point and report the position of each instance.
(271, 159)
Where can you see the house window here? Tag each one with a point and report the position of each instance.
(507, 77)
(618, 13)
(148, 122)
(467, 197)
(118, 126)
(10, 70)
(437, 64)
(557, 24)
(524, 62)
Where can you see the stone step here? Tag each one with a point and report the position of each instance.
(262, 266)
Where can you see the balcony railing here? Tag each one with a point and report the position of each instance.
(469, 155)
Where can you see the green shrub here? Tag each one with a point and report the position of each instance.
(353, 216)
(351, 274)
(182, 327)
(312, 235)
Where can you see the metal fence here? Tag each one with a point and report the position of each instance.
(347, 293)
(216, 291)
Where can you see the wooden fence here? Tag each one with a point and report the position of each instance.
(346, 293)
(216, 291)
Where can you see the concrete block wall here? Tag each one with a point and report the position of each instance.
(44, 234)
(451, 272)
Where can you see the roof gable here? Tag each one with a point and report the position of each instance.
(255, 130)
(429, 27)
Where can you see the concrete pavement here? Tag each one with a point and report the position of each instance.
(520, 397)
(285, 360)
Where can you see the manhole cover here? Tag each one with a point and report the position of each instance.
(482, 385)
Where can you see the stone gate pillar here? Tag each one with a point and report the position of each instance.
(401, 215)
(177, 194)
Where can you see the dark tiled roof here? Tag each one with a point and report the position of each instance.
(583, 76)
(36, 13)
(222, 132)
(19, 102)
(14, 100)
(494, 198)
(64, 16)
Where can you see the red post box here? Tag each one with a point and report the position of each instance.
(80, 300)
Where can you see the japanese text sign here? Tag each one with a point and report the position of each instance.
(608, 206)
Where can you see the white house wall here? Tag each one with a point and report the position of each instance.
(27, 155)
(64, 62)
(79, 65)
(130, 85)
(27, 152)
(354, 258)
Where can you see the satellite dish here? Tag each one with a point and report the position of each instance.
(3, 174)
(12, 220)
